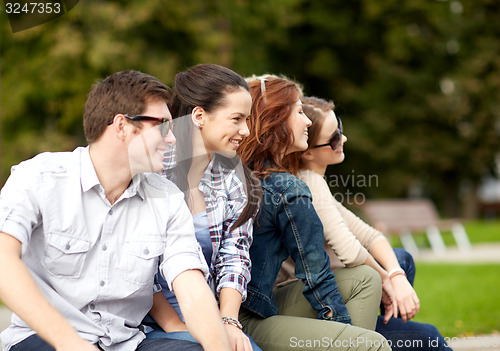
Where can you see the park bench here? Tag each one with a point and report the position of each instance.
(406, 217)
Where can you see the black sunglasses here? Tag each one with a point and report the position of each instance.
(166, 124)
(336, 139)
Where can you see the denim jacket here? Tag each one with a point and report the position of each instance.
(289, 226)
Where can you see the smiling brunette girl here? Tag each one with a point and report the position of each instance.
(210, 108)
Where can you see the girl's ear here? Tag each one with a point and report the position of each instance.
(307, 155)
(198, 116)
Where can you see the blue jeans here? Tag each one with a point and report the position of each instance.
(158, 333)
(35, 343)
(411, 336)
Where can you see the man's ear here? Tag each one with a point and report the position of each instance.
(121, 126)
(198, 116)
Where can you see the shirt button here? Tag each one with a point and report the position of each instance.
(111, 212)
(146, 251)
(68, 246)
(104, 247)
(92, 306)
(102, 283)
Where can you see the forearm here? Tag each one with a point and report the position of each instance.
(370, 261)
(384, 255)
(230, 302)
(388, 297)
(200, 310)
(21, 294)
(165, 315)
(407, 300)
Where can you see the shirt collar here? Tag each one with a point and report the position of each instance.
(88, 176)
(135, 186)
(89, 179)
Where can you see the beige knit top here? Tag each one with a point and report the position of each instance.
(347, 238)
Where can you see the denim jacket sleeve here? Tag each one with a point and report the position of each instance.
(303, 237)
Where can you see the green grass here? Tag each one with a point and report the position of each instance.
(459, 299)
(483, 231)
(478, 231)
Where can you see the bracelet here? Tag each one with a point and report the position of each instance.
(395, 272)
(232, 321)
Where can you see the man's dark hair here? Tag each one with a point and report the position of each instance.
(125, 92)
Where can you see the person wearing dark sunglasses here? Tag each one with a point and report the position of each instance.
(337, 139)
(153, 137)
(350, 242)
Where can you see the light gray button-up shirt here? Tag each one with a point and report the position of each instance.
(94, 261)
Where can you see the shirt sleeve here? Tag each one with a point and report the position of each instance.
(232, 263)
(182, 251)
(366, 234)
(19, 209)
(232, 260)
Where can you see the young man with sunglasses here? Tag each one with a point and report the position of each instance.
(82, 233)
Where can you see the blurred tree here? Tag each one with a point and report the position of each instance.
(417, 82)
(47, 71)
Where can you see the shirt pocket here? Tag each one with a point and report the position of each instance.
(142, 259)
(65, 255)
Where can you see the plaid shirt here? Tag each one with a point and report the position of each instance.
(225, 198)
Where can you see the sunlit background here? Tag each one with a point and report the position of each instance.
(417, 83)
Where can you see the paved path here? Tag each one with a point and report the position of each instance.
(476, 343)
(480, 253)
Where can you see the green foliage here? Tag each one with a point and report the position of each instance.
(423, 90)
(417, 83)
(459, 299)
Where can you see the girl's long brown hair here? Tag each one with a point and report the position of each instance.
(270, 136)
(206, 85)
